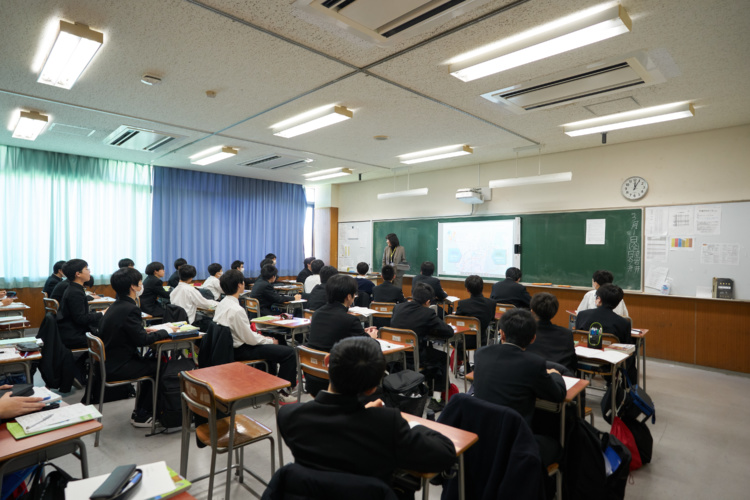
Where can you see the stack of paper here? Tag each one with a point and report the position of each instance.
(266, 318)
(12, 319)
(36, 423)
(362, 311)
(158, 482)
(613, 357)
(48, 396)
(452, 298)
(386, 346)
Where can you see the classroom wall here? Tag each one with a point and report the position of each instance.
(703, 167)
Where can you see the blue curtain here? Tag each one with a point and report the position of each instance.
(56, 206)
(207, 218)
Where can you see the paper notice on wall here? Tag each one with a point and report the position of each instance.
(353, 233)
(681, 220)
(708, 219)
(656, 277)
(656, 248)
(720, 253)
(703, 292)
(595, 231)
(682, 243)
(657, 221)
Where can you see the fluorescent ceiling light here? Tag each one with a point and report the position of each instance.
(404, 194)
(30, 125)
(327, 174)
(555, 38)
(617, 121)
(212, 155)
(75, 47)
(435, 154)
(323, 119)
(534, 179)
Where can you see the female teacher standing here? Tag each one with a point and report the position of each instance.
(395, 255)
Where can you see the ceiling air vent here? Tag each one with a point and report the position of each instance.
(139, 139)
(570, 86)
(274, 161)
(386, 22)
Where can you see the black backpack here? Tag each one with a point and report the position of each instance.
(642, 436)
(406, 391)
(583, 466)
(169, 404)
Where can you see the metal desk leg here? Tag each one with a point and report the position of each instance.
(281, 441)
(230, 447)
(461, 483)
(643, 356)
(425, 489)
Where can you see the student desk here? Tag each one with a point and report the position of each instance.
(22, 453)
(23, 360)
(13, 309)
(101, 303)
(233, 384)
(615, 368)
(290, 327)
(462, 441)
(400, 348)
(457, 335)
(17, 327)
(640, 351)
(206, 311)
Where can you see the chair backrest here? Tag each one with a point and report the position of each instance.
(312, 361)
(44, 295)
(252, 305)
(51, 305)
(582, 336)
(503, 308)
(199, 398)
(384, 309)
(473, 324)
(402, 335)
(307, 313)
(96, 348)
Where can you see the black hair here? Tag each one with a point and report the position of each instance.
(422, 293)
(316, 266)
(266, 262)
(153, 267)
(326, 273)
(610, 295)
(270, 256)
(513, 273)
(339, 286)
(268, 271)
(544, 305)
(474, 284)
(393, 239)
(179, 262)
(72, 267)
(387, 273)
(427, 268)
(124, 278)
(187, 272)
(519, 327)
(58, 265)
(603, 277)
(309, 261)
(356, 364)
(363, 267)
(126, 263)
(237, 264)
(230, 281)
(214, 268)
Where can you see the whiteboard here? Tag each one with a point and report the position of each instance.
(484, 247)
(355, 245)
(692, 244)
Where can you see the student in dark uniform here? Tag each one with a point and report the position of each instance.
(477, 306)
(317, 298)
(553, 342)
(174, 280)
(303, 275)
(426, 277)
(55, 278)
(153, 290)
(364, 284)
(387, 291)
(510, 291)
(264, 292)
(73, 317)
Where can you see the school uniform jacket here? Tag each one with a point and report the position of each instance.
(510, 292)
(317, 298)
(365, 285)
(303, 275)
(267, 296)
(59, 291)
(74, 318)
(478, 307)
(610, 321)
(554, 343)
(387, 292)
(174, 280)
(330, 324)
(50, 284)
(423, 321)
(433, 282)
(153, 289)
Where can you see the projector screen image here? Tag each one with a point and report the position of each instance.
(484, 248)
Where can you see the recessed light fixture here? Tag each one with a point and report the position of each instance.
(578, 30)
(75, 47)
(312, 120)
(435, 154)
(327, 174)
(636, 118)
(212, 155)
(30, 125)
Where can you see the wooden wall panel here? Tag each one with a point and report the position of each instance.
(723, 334)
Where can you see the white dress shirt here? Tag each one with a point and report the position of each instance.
(589, 302)
(311, 281)
(230, 313)
(212, 284)
(189, 298)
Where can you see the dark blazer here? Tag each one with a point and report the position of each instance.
(337, 433)
(433, 282)
(509, 376)
(174, 280)
(316, 298)
(59, 291)
(423, 321)
(330, 324)
(295, 482)
(365, 285)
(74, 318)
(152, 290)
(57, 365)
(122, 333)
(554, 343)
(267, 296)
(50, 284)
(611, 323)
(510, 292)
(387, 292)
(480, 307)
(302, 276)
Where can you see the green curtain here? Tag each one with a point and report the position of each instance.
(57, 206)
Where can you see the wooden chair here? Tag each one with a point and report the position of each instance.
(475, 327)
(51, 305)
(310, 362)
(198, 398)
(307, 313)
(401, 335)
(44, 295)
(384, 313)
(97, 354)
(592, 367)
(252, 306)
(500, 309)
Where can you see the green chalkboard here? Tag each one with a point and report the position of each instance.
(553, 246)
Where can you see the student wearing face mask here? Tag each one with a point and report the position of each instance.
(122, 333)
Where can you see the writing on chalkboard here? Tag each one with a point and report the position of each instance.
(634, 245)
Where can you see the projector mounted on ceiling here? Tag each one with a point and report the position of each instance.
(474, 196)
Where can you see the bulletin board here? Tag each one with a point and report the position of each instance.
(354, 245)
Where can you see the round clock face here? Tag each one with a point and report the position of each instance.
(634, 188)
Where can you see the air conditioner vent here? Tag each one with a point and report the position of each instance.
(276, 161)
(139, 139)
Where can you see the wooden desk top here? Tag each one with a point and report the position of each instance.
(291, 323)
(640, 335)
(10, 447)
(14, 306)
(101, 300)
(34, 356)
(402, 346)
(234, 381)
(184, 339)
(572, 393)
(462, 440)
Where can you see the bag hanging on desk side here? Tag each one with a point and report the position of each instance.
(642, 401)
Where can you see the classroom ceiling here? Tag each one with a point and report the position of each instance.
(269, 60)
